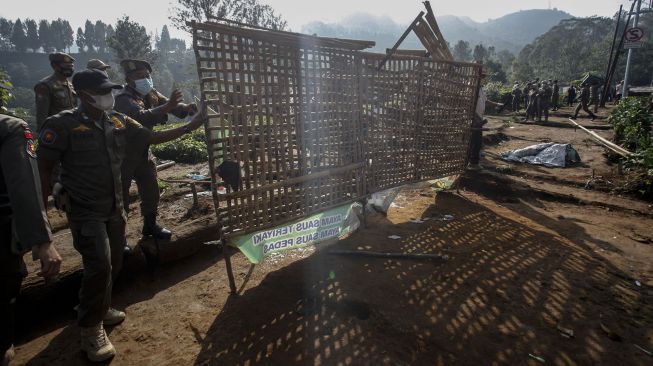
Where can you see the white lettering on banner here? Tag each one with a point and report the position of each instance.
(302, 240)
(259, 238)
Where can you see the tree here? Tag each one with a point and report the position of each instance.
(177, 44)
(18, 37)
(100, 36)
(6, 26)
(89, 36)
(81, 40)
(33, 41)
(480, 53)
(67, 34)
(45, 36)
(245, 11)
(505, 58)
(461, 51)
(130, 40)
(164, 44)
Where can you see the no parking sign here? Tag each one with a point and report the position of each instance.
(634, 37)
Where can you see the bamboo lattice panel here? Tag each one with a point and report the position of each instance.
(288, 111)
(417, 118)
(314, 125)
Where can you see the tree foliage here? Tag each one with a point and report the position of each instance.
(130, 40)
(18, 36)
(245, 11)
(89, 36)
(461, 51)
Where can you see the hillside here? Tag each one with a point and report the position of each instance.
(510, 32)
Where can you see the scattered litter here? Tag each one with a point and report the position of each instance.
(394, 205)
(537, 358)
(394, 237)
(548, 154)
(417, 221)
(381, 201)
(447, 218)
(565, 332)
(202, 194)
(222, 190)
(639, 284)
(197, 176)
(644, 350)
(445, 257)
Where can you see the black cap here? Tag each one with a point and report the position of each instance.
(93, 79)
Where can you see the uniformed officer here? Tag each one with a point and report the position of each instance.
(91, 142)
(97, 65)
(23, 223)
(140, 101)
(55, 93)
(584, 100)
(555, 96)
(543, 98)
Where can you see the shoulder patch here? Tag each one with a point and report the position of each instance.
(28, 134)
(117, 123)
(48, 137)
(132, 122)
(30, 148)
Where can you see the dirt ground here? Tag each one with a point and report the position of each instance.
(537, 269)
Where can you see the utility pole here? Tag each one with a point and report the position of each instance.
(630, 51)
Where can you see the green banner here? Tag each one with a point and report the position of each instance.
(335, 223)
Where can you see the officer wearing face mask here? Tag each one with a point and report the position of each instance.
(91, 142)
(55, 93)
(140, 101)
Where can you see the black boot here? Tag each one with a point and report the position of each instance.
(150, 228)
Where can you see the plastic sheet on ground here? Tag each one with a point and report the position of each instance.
(548, 154)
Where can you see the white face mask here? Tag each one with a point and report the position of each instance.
(103, 102)
(143, 86)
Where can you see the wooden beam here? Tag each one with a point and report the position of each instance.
(401, 39)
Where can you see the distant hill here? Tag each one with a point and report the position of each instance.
(510, 32)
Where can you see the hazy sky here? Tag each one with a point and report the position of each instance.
(153, 14)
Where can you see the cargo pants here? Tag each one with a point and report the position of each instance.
(100, 244)
(143, 171)
(12, 272)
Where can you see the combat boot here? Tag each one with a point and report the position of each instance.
(113, 317)
(150, 228)
(96, 344)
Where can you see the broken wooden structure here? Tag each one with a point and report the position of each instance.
(316, 122)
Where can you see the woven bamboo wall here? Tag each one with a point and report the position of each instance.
(314, 126)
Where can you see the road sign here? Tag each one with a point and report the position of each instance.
(630, 45)
(634, 34)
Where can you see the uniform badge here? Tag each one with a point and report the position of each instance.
(28, 134)
(81, 128)
(117, 123)
(30, 148)
(48, 137)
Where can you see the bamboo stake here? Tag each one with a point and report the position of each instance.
(607, 144)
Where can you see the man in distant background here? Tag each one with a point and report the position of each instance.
(555, 96)
(55, 93)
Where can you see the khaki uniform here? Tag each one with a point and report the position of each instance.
(141, 166)
(52, 97)
(91, 154)
(516, 98)
(23, 222)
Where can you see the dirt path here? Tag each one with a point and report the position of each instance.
(524, 269)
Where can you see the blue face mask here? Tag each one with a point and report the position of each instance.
(143, 86)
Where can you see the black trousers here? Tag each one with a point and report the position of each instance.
(12, 272)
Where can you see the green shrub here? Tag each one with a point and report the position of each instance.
(631, 121)
(189, 149)
(497, 92)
